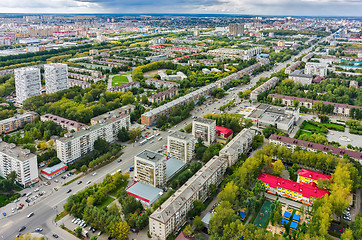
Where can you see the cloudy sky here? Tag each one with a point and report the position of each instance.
(262, 7)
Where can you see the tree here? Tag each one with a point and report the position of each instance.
(119, 230)
(135, 133)
(224, 215)
(101, 146)
(78, 231)
(83, 168)
(142, 221)
(12, 176)
(94, 237)
(356, 227)
(130, 205)
(198, 224)
(123, 135)
(188, 230)
(229, 193)
(347, 235)
(278, 167)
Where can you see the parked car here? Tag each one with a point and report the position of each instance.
(22, 228)
(38, 229)
(55, 235)
(88, 182)
(79, 182)
(4, 213)
(69, 190)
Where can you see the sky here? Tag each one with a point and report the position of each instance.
(254, 7)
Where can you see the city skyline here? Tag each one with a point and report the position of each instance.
(255, 7)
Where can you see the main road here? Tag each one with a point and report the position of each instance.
(45, 210)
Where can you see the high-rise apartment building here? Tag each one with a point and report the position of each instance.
(150, 168)
(236, 29)
(27, 83)
(24, 163)
(181, 146)
(205, 129)
(74, 146)
(56, 77)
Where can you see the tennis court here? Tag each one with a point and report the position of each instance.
(263, 215)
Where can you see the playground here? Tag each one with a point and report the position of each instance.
(263, 215)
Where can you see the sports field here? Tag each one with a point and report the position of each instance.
(119, 80)
(263, 215)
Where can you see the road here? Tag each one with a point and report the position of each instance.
(45, 210)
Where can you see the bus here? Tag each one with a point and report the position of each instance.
(143, 142)
(150, 137)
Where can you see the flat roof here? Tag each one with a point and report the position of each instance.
(205, 120)
(54, 169)
(173, 166)
(206, 218)
(181, 135)
(17, 116)
(16, 152)
(113, 113)
(150, 155)
(144, 192)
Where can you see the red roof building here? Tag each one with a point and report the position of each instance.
(223, 134)
(308, 176)
(51, 172)
(302, 192)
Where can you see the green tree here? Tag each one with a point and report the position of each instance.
(229, 193)
(12, 176)
(197, 223)
(78, 231)
(188, 230)
(347, 235)
(119, 230)
(278, 167)
(135, 133)
(123, 135)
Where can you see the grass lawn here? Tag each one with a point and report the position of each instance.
(120, 190)
(305, 132)
(7, 198)
(108, 201)
(61, 215)
(119, 80)
(309, 127)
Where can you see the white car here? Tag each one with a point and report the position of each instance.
(94, 174)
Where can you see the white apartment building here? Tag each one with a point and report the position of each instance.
(150, 168)
(27, 83)
(319, 69)
(292, 67)
(160, 84)
(204, 128)
(24, 163)
(264, 87)
(172, 214)
(74, 146)
(240, 144)
(56, 77)
(180, 145)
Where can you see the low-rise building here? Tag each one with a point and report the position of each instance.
(161, 57)
(292, 144)
(116, 113)
(125, 87)
(150, 168)
(16, 122)
(82, 84)
(24, 163)
(292, 67)
(161, 96)
(181, 146)
(74, 146)
(299, 77)
(161, 84)
(223, 134)
(339, 108)
(205, 129)
(308, 176)
(307, 57)
(176, 77)
(56, 170)
(64, 122)
(283, 118)
(303, 192)
(264, 87)
(353, 84)
(240, 144)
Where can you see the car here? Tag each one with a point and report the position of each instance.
(71, 173)
(27, 200)
(69, 190)
(55, 235)
(94, 230)
(119, 160)
(12, 210)
(88, 182)
(45, 184)
(23, 195)
(56, 180)
(100, 233)
(18, 235)
(56, 189)
(22, 229)
(79, 182)
(30, 215)
(21, 204)
(109, 238)
(36, 190)
(4, 214)
(74, 220)
(38, 229)
(90, 228)
(348, 209)
(94, 174)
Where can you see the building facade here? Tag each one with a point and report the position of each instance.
(150, 168)
(125, 87)
(160, 84)
(236, 29)
(181, 146)
(27, 83)
(161, 96)
(264, 87)
(205, 129)
(24, 163)
(116, 113)
(64, 122)
(56, 77)
(16, 122)
(319, 69)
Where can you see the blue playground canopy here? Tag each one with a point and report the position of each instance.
(284, 221)
(296, 217)
(242, 215)
(287, 214)
(294, 225)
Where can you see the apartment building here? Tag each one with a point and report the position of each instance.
(240, 144)
(93, 73)
(353, 84)
(56, 77)
(319, 69)
(82, 77)
(236, 53)
(172, 214)
(302, 192)
(205, 129)
(24, 163)
(17, 122)
(27, 83)
(150, 117)
(264, 87)
(292, 67)
(150, 168)
(64, 122)
(74, 146)
(161, 96)
(175, 77)
(299, 77)
(223, 134)
(125, 87)
(82, 84)
(181, 146)
(116, 113)
(236, 29)
(307, 57)
(292, 143)
(339, 108)
(161, 84)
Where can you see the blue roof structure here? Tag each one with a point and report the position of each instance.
(296, 217)
(294, 225)
(284, 221)
(173, 166)
(242, 215)
(287, 214)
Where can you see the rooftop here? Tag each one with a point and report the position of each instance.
(205, 120)
(313, 174)
(54, 169)
(114, 113)
(16, 117)
(181, 135)
(16, 152)
(151, 156)
(62, 120)
(223, 130)
(299, 73)
(173, 166)
(144, 191)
